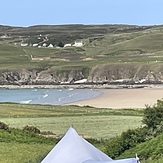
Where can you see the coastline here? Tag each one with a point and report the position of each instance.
(111, 96)
(91, 86)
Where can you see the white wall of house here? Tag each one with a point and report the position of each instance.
(50, 46)
(66, 45)
(24, 44)
(78, 43)
(34, 45)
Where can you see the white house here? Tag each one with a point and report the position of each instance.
(44, 45)
(50, 46)
(66, 45)
(24, 44)
(34, 45)
(78, 43)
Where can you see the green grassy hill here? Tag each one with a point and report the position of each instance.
(151, 151)
(102, 44)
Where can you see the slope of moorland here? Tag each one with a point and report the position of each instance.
(107, 52)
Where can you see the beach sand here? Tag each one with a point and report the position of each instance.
(124, 98)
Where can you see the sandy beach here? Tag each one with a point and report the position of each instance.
(112, 96)
(124, 98)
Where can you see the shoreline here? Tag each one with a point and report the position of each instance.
(124, 98)
(82, 86)
(111, 96)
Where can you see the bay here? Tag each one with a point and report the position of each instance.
(46, 96)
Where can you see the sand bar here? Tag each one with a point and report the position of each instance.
(124, 98)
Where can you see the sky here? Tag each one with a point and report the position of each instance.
(57, 12)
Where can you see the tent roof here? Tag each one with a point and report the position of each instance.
(72, 148)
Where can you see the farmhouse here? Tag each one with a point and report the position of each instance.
(24, 44)
(78, 43)
(50, 46)
(34, 45)
(66, 45)
(44, 45)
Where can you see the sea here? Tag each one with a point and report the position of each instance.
(46, 96)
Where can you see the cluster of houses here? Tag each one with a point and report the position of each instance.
(37, 45)
(78, 43)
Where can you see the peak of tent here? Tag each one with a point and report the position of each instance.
(72, 148)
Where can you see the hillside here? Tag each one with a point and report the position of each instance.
(64, 54)
(149, 150)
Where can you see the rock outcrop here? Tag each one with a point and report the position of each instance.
(126, 73)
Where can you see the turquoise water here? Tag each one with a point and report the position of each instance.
(46, 96)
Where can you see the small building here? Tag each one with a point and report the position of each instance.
(50, 46)
(78, 43)
(44, 44)
(34, 45)
(67, 45)
(24, 44)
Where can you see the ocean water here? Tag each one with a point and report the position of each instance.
(46, 96)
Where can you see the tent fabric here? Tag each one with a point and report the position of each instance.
(72, 148)
(129, 160)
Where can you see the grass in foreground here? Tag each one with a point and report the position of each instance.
(23, 152)
(23, 146)
(91, 122)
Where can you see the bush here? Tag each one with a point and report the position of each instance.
(4, 126)
(153, 116)
(130, 138)
(32, 129)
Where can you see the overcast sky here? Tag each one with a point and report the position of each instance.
(36, 12)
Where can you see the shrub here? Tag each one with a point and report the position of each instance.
(153, 116)
(32, 129)
(130, 138)
(4, 126)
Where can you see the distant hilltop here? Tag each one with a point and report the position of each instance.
(61, 35)
(75, 54)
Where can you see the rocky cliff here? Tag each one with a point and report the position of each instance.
(126, 73)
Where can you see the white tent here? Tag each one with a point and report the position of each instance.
(72, 148)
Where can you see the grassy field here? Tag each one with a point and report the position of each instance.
(90, 126)
(91, 122)
(22, 146)
(22, 152)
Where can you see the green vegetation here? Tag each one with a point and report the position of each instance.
(146, 141)
(87, 120)
(120, 131)
(151, 149)
(121, 143)
(22, 146)
(55, 120)
(102, 44)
